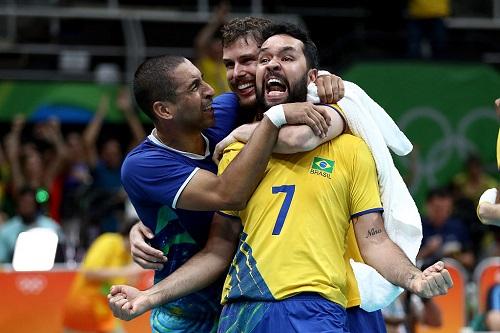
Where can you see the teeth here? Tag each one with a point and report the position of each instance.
(273, 80)
(245, 85)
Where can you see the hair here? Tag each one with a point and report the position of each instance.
(153, 81)
(440, 192)
(244, 28)
(292, 30)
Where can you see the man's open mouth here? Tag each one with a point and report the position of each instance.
(276, 88)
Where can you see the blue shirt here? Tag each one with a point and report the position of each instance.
(454, 235)
(154, 175)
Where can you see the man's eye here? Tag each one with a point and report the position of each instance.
(264, 61)
(287, 58)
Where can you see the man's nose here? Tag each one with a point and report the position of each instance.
(239, 70)
(209, 91)
(273, 64)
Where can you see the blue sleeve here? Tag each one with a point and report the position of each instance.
(226, 113)
(152, 177)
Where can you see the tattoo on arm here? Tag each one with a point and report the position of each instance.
(373, 232)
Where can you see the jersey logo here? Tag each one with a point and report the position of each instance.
(322, 166)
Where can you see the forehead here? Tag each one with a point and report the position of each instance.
(245, 45)
(278, 42)
(185, 73)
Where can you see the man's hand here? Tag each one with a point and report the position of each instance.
(330, 88)
(433, 281)
(144, 255)
(219, 148)
(127, 302)
(497, 107)
(307, 113)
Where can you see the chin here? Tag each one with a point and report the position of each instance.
(247, 102)
(270, 104)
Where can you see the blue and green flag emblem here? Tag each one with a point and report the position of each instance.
(322, 164)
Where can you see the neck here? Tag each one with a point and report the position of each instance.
(187, 141)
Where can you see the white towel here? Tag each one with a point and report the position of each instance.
(369, 121)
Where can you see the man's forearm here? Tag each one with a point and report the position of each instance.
(205, 267)
(199, 272)
(391, 262)
(250, 162)
(296, 138)
(380, 252)
(489, 212)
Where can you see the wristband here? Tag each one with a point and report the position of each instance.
(488, 196)
(276, 115)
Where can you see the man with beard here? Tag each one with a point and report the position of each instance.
(171, 181)
(289, 273)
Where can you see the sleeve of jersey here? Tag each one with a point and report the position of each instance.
(225, 107)
(229, 155)
(364, 191)
(156, 178)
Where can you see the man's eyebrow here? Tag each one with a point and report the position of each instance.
(283, 49)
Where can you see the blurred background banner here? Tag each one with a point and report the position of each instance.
(34, 302)
(70, 102)
(445, 109)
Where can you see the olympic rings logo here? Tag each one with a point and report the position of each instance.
(32, 285)
(452, 141)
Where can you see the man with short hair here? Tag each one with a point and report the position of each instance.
(293, 246)
(170, 177)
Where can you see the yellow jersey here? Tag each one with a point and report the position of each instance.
(295, 224)
(86, 306)
(425, 9)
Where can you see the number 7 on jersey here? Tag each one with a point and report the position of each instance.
(289, 190)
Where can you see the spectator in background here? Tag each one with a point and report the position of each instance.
(444, 235)
(77, 179)
(4, 176)
(28, 216)
(426, 23)
(107, 262)
(492, 315)
(208, 46)
(32, 167)
(106, 196)
(408, 310)
(473, 181)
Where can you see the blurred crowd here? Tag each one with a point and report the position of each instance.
(65, 179)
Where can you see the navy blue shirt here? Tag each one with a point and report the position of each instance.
(154, 175)
(454, 235)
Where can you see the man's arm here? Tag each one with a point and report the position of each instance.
(489, 213)
(233, 188)
(291, 139)
(200, 271)
(380, 252)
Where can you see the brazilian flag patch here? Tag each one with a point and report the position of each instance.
(322, 164)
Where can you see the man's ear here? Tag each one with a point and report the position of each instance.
(312, 75)
(163, 110)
